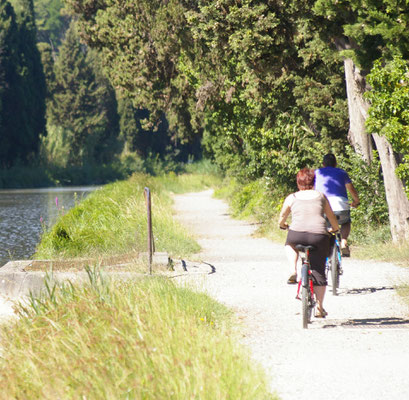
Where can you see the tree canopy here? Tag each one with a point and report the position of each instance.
(83, 103)
(251, 75)
(22, 84)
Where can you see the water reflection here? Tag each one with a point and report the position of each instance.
(22, 213)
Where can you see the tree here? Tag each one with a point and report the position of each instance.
(83, 103)
(47, 60)
(51, 22)
(267, 79)
(33, 79)
(364, 31)
(140, 43)
(23, 98)
(9, 81)
(389, 118)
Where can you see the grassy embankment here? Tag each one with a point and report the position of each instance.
(137, 340)
(112, 220)
(146, 339)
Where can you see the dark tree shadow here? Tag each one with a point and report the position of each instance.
(367, 323)
(376, 322)
(367, 290)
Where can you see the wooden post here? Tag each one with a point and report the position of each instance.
(151, 245)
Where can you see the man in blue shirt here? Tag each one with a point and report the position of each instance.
(334, 183)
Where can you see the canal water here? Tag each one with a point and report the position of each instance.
(24, 213)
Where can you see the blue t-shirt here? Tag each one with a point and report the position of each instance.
(331, 181)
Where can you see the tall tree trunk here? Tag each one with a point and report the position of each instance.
(357, 106)
(398, 203)
(396, 197)
(357, 110)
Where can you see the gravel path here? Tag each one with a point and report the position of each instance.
(360, 351)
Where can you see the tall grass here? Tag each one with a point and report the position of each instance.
(125, 340)
(112, 220)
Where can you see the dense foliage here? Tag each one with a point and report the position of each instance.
(87, 122)
(22, 85)
(83, 104)
(51, 22)
(259, 84)
(255, 77)
(389, 112)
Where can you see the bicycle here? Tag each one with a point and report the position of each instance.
(334, 262)
(306, 285)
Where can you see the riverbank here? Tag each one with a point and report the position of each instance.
(182, 343)
(26, 213)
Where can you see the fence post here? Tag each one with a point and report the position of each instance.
(151, 245)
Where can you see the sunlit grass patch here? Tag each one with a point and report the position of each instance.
(139, 340)
(112, 220)
(384, 251)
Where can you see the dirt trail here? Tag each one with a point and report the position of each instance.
(360, 351)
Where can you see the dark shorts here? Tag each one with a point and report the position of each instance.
(343, 217)
(318, 257)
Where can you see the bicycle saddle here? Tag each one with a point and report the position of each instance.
(303, 248)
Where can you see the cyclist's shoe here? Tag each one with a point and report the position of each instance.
(321, 313)
(345, 251)
(292, 280)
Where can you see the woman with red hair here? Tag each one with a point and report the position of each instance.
(308, 227)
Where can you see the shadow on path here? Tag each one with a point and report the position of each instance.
(367, 290)
(368, 323)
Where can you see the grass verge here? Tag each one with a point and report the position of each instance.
(112, 220)
(145, 339)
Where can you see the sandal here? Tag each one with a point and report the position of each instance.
(345, 251)
(292, 280)
(321, 313)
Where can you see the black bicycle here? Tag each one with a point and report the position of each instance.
(334, 262)
(305, 285)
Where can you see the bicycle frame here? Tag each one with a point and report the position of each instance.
(306, 286)
(333, 263)
(305, 274)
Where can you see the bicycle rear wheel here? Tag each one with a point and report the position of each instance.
(334, 270)
(306, 309)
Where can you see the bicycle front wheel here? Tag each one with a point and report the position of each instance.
(306, 309)
(334, 270)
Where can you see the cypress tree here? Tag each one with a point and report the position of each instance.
(33, 81)
(11, 91)
(82, 103)
(22, 82)
(106, 143)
